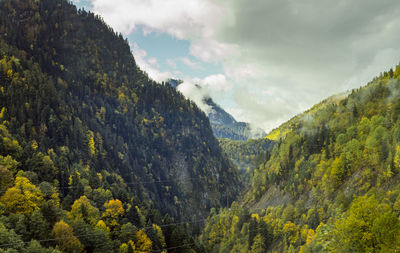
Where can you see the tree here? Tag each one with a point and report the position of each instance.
(35, 247)
(113, 211)
(6, 179)
(23, 198)
(128, 232)
(98, 241)
(38, 227)
(64, 235)
(258, 245)
(143, 242)
(253, 226)
(9, 237)
(367, 227)
(82, 209)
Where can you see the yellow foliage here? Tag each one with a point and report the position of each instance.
(34, 144)
(160, 234)
(83, 210)
(255, 215)
(144, 244)
(132, 244)
(123, 248)
(397, 157)
(23, 198)
(235, 221)
(66, 240)
(9, 73)
(102, 225)
(113, 210)
(291, 231)
(92, 148)
(2, 109)
(310, 236)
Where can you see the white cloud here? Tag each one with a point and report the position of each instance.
(180, 18)
(278, 57)
(216, 83)
(197, 89)
(149, 65)
(191, 91)
(190, 63)
(153, 61)
(194, 20)
(171, 63)
(209, 50)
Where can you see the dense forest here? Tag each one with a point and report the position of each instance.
(330, 184)
(247, 155)
(95, 156)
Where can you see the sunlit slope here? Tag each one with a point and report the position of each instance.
(331, 183)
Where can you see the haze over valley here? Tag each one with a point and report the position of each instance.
(199, 126)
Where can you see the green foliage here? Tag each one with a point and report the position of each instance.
(331, 180)
(83, 210)
(246, 154)
(74, 98)
(81, 125)
(368, 227)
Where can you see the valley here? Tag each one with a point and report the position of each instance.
(96, 156)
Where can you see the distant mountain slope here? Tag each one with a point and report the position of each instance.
(89, 143)
(330, 184)
(247, 155)
(222, 123)
(225, 126)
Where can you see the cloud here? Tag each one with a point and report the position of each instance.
(216, 83)
(194, 20)
(211, 86)
(210, 50)
(179, 18)
(278, 57)
(149, 65)
(189, 62)
(153, 61)
(295, 53)
(196, 94)
(171, 63)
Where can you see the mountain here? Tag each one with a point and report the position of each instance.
(247, 155)
(222, 123)
(225, 126)
(90, 145)
(329, 184)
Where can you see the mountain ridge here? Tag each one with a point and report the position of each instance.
(223, 124)
(106, 150)
(330, 184)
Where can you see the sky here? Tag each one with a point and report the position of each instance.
(263, 61)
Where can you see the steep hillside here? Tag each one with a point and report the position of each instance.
(90, 143)
(329, 185)
(222, 123)
(247, 155)
(225, 126)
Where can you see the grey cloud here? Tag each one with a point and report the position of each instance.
(299, 51)
(311, 49)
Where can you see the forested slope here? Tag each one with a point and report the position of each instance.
(89, 145)
(331, 184)
(247, 155)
